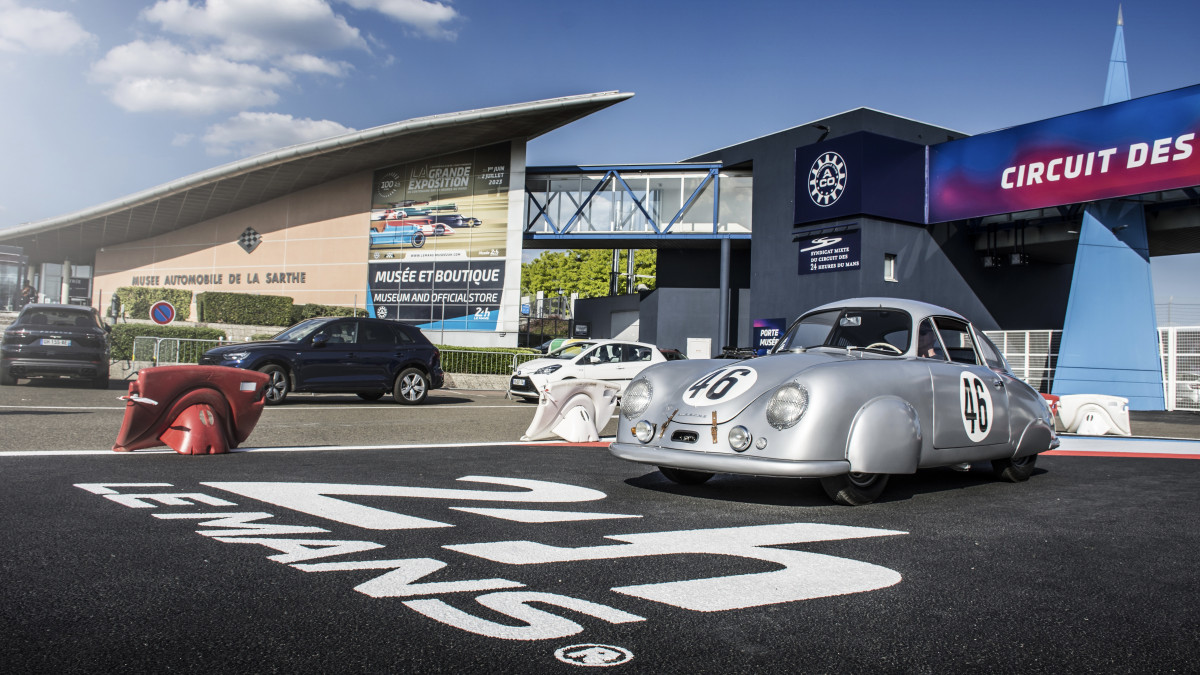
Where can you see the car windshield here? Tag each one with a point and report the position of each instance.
(884, 331)
(570, 351)
(53, 316)
(300, 331)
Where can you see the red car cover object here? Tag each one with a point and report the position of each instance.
(196, 410)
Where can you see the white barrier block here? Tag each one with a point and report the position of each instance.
(574, 410)
(1094, 414)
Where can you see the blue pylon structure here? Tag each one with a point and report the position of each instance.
(1110, 334)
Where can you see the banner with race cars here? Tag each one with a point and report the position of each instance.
(438, 236)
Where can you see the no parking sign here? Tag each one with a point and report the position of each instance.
(162, 312)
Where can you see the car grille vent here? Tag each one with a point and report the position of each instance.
(685, 436)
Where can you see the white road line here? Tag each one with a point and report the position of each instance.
(298, 448)
(1164, 446)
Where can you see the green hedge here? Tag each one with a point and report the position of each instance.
(124, 333)
(244, 308)
(311, 311)
(137, 301)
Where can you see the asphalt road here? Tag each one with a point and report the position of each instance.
(494, 557)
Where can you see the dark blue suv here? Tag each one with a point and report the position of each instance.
(368, 357)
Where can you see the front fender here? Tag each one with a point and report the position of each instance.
(885, 437)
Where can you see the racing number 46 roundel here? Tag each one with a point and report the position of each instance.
(719, 385)
(976, 406)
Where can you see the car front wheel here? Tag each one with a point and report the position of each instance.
(1014, 470)
(855, 489)
(683, 476)
(278, 386)
(411, 387)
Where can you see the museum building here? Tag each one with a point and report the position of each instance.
(1048, 226)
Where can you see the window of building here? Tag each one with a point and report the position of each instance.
(889, 267)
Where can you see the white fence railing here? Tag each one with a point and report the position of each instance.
(1033, 355)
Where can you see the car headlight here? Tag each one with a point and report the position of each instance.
(546, 370)
(234, 356)
(740, 438)
(643, 431)
(787, 406)
(636, 399)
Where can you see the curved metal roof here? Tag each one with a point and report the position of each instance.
(237, 185)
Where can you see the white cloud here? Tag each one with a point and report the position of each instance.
(25, 30)
(251, 133)
(151, 76)
(254, 30)
(424, 15)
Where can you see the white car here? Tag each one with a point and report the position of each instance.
(614, 361)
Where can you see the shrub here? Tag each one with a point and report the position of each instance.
(244, 308)
(137, 301)
(311, 311)
(124, 333)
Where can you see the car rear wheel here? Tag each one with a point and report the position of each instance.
(855, 489)
(411, 387)
(370, 395)
(278, 386)
(1014, 470)
(683, 476)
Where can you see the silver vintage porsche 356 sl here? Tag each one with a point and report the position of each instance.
(854, 391)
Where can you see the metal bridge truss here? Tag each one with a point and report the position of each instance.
(629, 202)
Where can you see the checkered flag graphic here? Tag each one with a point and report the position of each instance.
(249, 240)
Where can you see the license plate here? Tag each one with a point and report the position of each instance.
(518, 381)
(55, 342)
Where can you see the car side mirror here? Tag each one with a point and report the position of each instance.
(320, 339)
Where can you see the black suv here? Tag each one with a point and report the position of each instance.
(368, 357)
(50, 340)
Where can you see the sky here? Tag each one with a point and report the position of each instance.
(104, 98)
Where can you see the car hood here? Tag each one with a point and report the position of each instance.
(747, 381)
(530, 366)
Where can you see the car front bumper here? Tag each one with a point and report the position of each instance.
(713, 462)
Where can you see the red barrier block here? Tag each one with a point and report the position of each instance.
(196, 410)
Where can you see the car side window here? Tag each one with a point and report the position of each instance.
(636, 353)
(402, 336)
(375, 334)
(956, 336)
(928, 344)
(991, 355)
(342, 332)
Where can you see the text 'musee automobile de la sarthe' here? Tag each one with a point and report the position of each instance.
(854, 391)
(368, 357)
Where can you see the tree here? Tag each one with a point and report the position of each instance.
(583, 271)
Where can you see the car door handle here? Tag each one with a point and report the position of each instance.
(999, 384)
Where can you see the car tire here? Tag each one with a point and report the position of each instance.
(370, 395)
(684, 476)
(854, 489)
(278, 386)
(411, 388)
(418, 240)
(1017, 470)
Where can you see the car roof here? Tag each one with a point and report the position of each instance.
(916, 308)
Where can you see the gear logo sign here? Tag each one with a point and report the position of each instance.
(827, 179)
